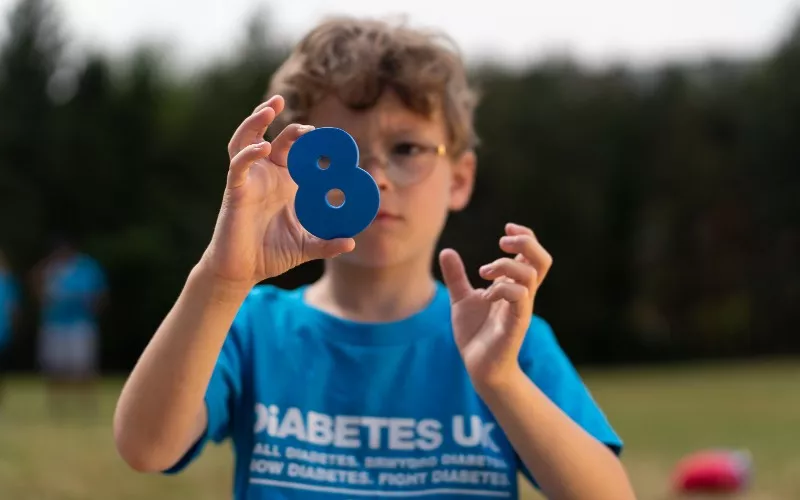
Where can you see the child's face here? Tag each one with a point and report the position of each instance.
(419, 184)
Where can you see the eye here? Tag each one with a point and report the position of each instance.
(407, 149)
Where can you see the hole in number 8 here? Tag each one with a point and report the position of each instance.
(323, 215)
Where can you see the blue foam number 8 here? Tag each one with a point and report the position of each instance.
(361, 193)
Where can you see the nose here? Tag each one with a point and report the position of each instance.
(377, 170)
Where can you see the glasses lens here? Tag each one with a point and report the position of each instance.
(405, 169)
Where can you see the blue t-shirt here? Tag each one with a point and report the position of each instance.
(322, 407)
(9, 298)
(70, 290)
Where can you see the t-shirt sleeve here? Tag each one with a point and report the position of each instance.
(11, 297)
(14, 294)
(14, 299)
(222, 395)
(97, 278)
(543, 360)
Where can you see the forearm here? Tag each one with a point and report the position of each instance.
(160, 412)
(567, 462)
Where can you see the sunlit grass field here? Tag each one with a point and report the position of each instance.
(662, 415)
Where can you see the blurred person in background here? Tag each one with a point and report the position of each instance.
(9, 310)
(71, 289)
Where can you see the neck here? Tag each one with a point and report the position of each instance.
(373, 294)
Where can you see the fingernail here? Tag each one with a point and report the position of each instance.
(486, 269)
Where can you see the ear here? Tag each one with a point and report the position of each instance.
(463, 180)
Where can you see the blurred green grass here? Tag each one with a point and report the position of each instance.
(662, 415)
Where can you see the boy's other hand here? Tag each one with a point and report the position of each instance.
(257, 234)
(489, 324)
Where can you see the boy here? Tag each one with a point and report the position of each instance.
(71, 288)
(375, 380)
(9, 310)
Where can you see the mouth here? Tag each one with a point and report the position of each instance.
(383, 215)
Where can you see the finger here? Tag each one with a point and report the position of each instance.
(519, 272)
(283, 143)
(240, 165)
(316, 248)
(252, 129)
(513, 293)
(275, 102)
(454, 274)
(528, 247)
(513, 229)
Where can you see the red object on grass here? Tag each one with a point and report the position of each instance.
(718, 471)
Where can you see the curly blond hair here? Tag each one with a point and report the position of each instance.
(358, 59)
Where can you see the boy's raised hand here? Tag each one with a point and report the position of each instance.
(489, 324)
(257, 235)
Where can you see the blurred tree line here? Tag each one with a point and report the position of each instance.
(670, 198)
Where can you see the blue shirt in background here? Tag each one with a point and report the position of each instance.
(322, 407)
(71, 288)
(9, 299)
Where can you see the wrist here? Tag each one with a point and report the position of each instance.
(498, 385)
(216, 288)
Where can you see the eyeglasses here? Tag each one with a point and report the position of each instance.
(407, 163)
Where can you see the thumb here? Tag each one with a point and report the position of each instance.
(454, 274)
(316, 248)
